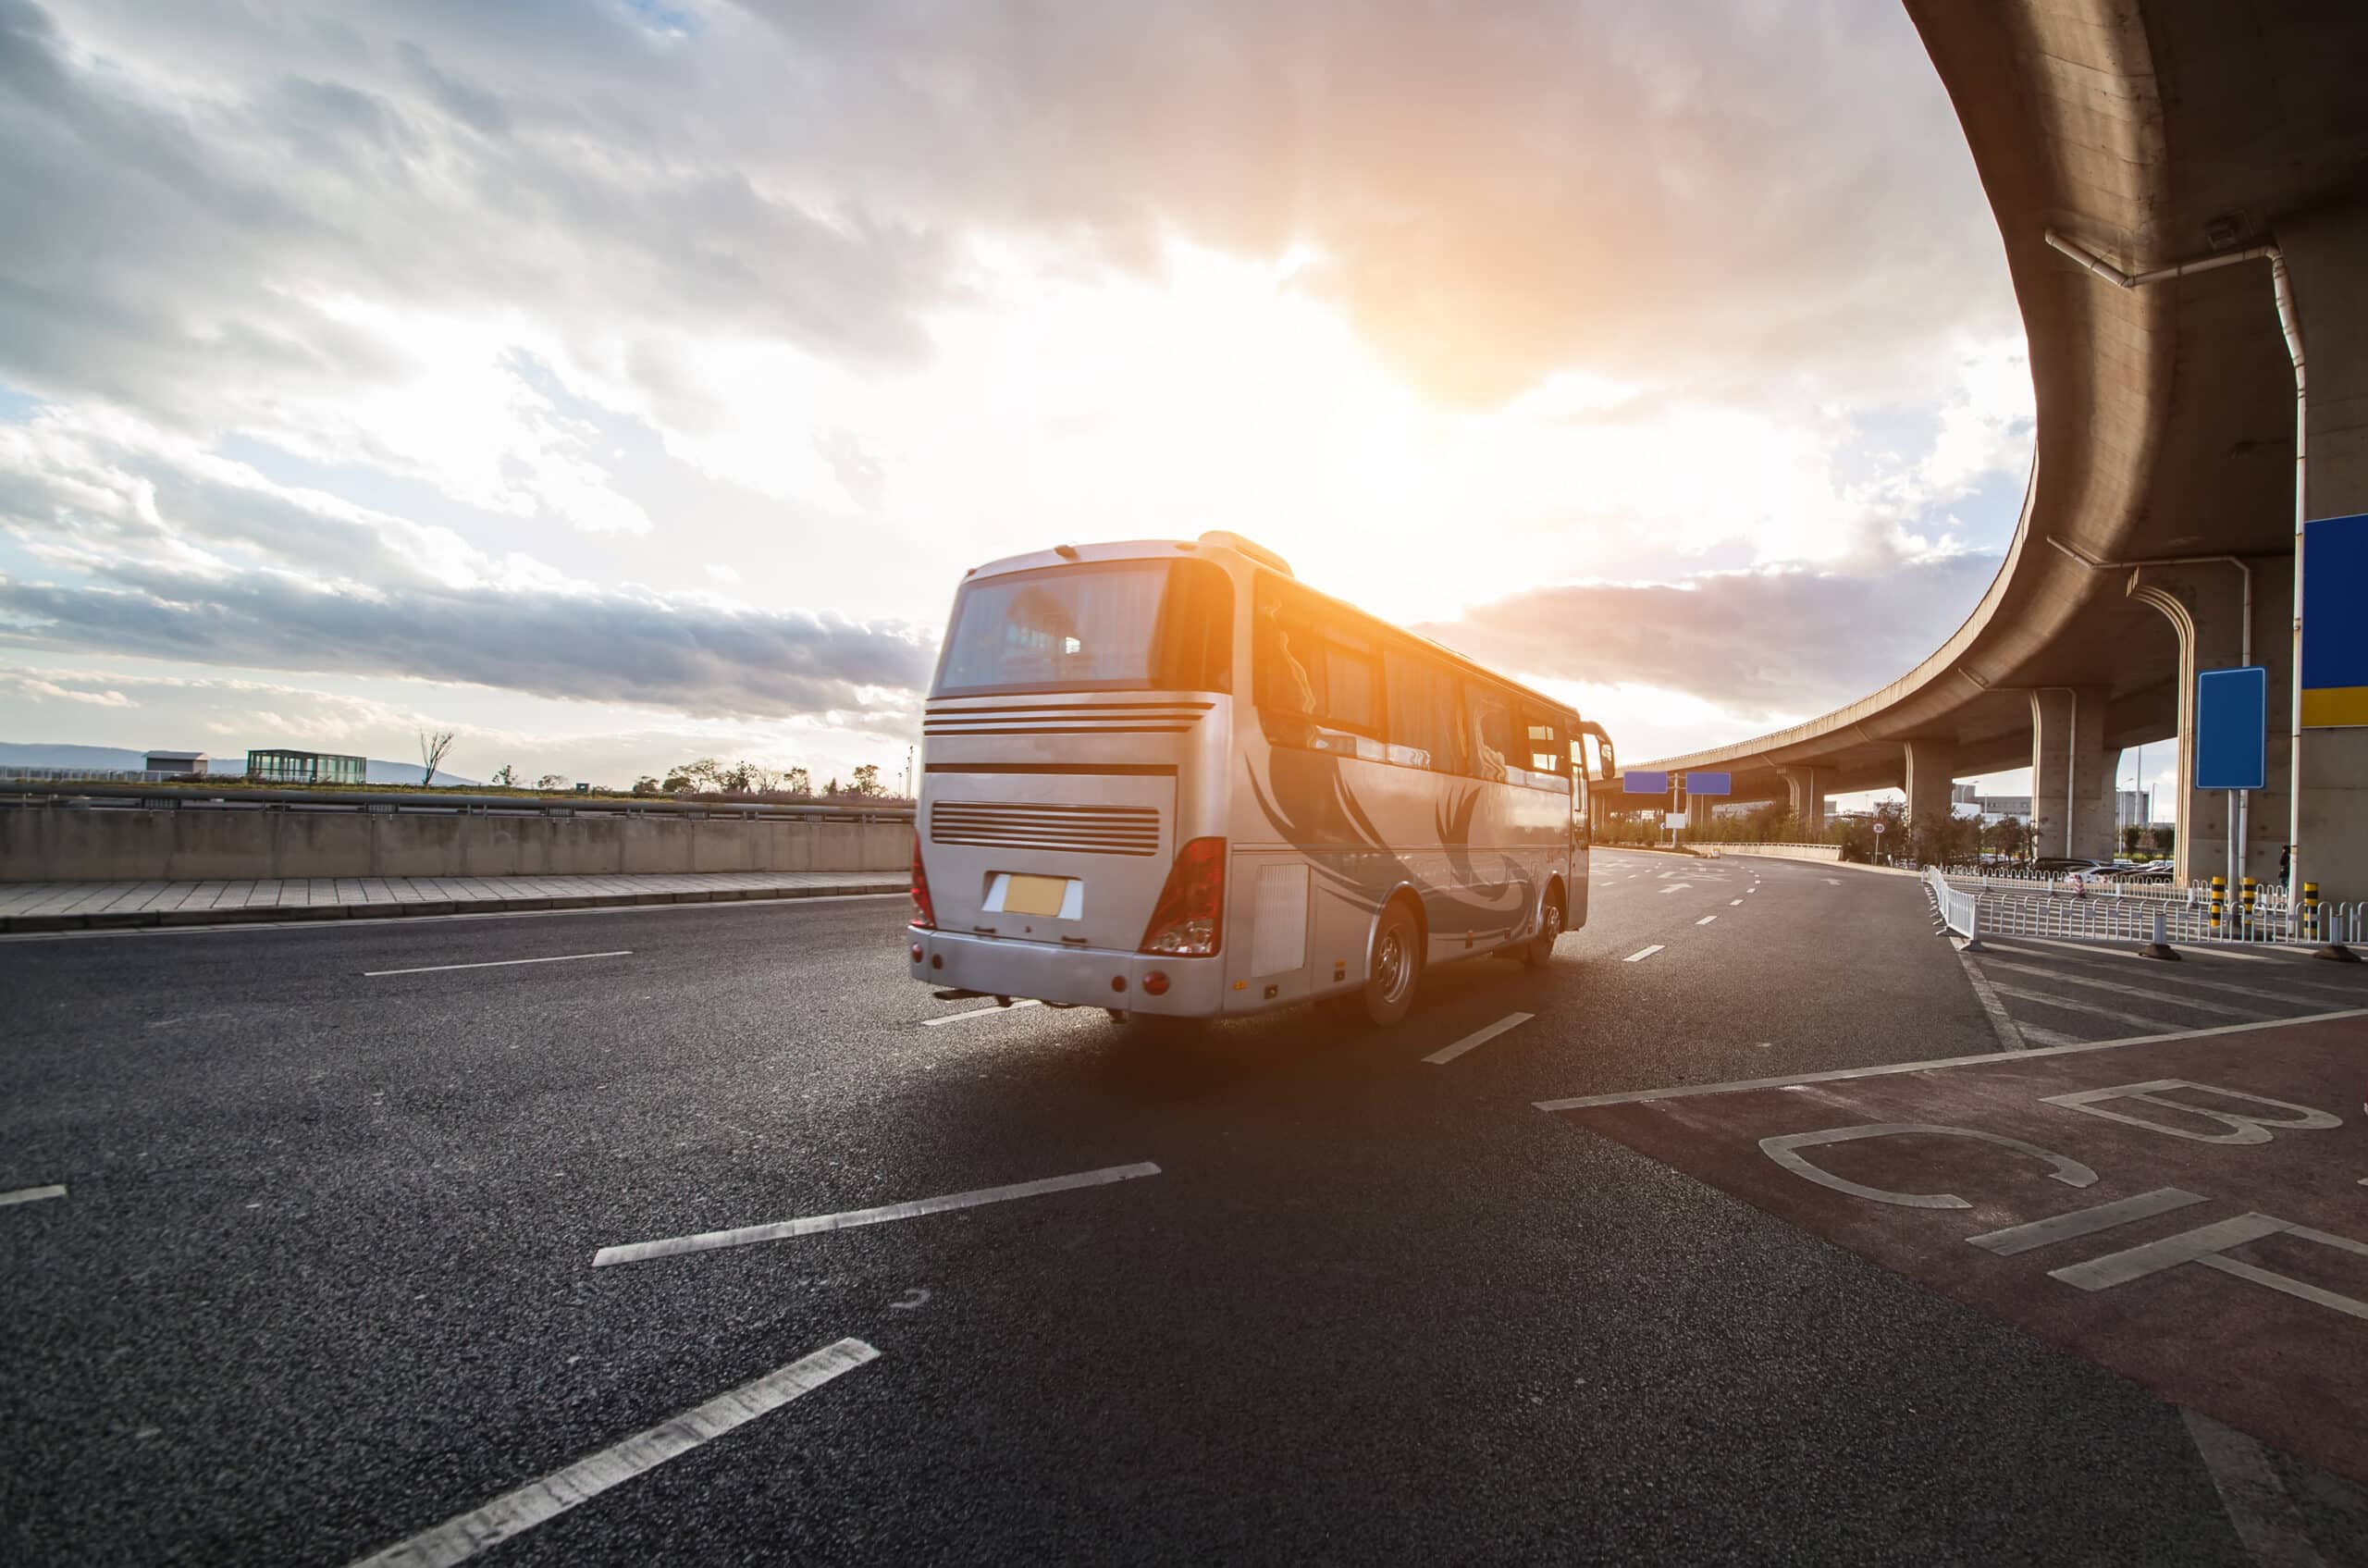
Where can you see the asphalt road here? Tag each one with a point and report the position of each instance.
(323, 1277)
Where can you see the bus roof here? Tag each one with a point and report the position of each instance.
(1217, 542)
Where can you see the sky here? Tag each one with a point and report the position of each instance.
(615, 382)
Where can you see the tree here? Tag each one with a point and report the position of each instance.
(830, 788)
(433, 745)
(798, 781)
(550, 781)
(507, 778)
(867, 780)
(645, 784)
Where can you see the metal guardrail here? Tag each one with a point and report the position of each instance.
(197, 797)
(1974, 908)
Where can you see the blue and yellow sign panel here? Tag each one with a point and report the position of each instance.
(2334, 622)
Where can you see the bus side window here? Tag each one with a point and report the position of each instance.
(1286, 665)
(1425, 726)
(1492, 730)
(1543, 747)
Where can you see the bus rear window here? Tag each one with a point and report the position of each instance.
(1110, 626)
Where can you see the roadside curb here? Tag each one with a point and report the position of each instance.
(385, 909)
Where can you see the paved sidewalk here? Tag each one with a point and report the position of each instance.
(90, 905)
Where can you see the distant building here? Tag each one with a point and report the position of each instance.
(171, 762)
(306, 768)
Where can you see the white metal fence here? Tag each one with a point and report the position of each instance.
(2082, 911)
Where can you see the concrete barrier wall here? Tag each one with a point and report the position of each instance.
(203, 846)
(1783, 851)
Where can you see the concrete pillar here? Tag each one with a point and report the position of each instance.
(2326, 252)
(2204, 603)
(1807, 787)
(2072, 771)
(1929, 772)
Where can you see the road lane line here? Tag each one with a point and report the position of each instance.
(2259, 1507)
(2138, 1020)
(30, 1195)
(1677, 886)
(1645, 953)
(1480, 1037)
(1706, 919)
(976, 1012)
(2002, 1022)
(813, 1225)
(499, 963)
(2120, 960)
(1733, 902)
(2144, 993)
(513, 1512)
(1741, 1085)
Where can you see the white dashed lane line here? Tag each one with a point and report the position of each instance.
(500, 963)
(811, 1224)
(1645, 952)
(977, 1013)
(30, 1195)
(1479, 1037)
(1706, 919)
(458, 1539)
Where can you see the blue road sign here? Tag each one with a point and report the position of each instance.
(2232, 729)
(1709, 784)
(1633, 782)
(2334, 634)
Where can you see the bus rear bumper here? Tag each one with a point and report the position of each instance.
(1081, 977)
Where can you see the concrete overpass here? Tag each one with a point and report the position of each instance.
(2157, 535)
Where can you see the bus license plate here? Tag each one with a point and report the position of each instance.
(1035, 896)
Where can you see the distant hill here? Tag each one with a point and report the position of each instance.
(112, 758)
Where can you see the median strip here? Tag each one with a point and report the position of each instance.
(513, 1512)
(811, 1224)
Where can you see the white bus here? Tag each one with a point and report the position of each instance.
(1164, 778)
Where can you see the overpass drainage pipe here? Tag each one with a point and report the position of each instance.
(2289, 322)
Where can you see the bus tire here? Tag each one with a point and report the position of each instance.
(1539, 949)
(1396, 967)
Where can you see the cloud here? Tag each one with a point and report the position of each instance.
(1674, 194)
(611, 646)
(1762, 647)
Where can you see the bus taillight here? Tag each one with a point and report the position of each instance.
(1188, 921)
(924, 917)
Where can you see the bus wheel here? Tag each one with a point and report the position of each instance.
(1539, 948)
(1397, 965)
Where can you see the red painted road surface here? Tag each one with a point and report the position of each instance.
(2189, 1212)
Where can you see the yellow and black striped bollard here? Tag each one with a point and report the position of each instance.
(2219, 901)
(2310, 911)
(2245, 896)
